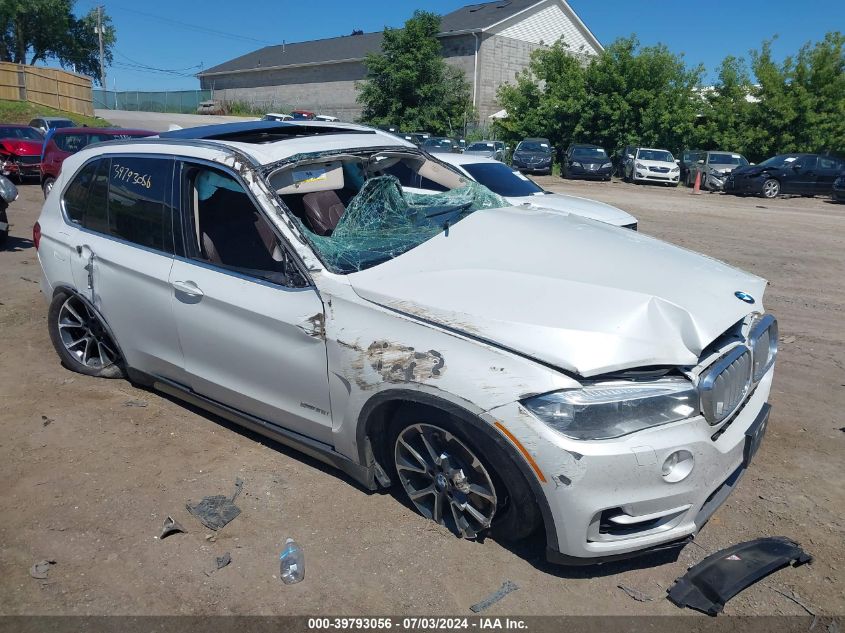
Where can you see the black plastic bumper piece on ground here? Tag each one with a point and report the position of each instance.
(707, 586)
(556, 558)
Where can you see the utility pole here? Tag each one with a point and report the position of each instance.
(100, 35)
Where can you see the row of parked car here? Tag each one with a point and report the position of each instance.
(730, 172)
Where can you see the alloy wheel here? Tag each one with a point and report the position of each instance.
(83, 335)
(771, 188)
(445, 480)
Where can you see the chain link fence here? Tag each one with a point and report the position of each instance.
(175, 101)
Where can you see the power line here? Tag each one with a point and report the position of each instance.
(192, 27)
(140, 65)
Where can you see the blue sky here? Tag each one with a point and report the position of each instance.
(149, 33)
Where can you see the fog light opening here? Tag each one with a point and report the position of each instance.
(677, 466)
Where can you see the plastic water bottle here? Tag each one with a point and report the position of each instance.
(292, 563)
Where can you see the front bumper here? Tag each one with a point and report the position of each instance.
(608, 499)
(533, 168)
(12, 167)
(839, 195)
(715, 183)
(646, 175)
(587, 172)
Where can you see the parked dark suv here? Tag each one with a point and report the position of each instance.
(803, 174)
(533, 155)
(586, 161)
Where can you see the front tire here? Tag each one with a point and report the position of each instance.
(81, 339)
(468, 486)
(771, 188)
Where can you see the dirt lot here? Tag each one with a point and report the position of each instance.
(89, 478)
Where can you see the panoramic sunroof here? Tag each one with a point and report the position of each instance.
(259, 132)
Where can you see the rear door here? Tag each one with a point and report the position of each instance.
(123, 253)
(805, 173)
(829, 169)
(250, 325)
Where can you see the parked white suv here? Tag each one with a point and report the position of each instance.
(507, 367)
(519, 189)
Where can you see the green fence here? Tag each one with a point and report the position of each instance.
(181, 101)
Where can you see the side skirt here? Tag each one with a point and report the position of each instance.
(318, 450)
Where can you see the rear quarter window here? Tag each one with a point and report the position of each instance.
(139, 201)
(125, 197)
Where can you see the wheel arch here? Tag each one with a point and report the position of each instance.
(66, 288)
(376, 414)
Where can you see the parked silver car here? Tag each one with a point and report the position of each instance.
(506, 368)
(487, 149)
(714, 168)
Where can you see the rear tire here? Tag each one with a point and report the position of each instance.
(3, 218)
(81, 339)
(47, 186)
(479, 460)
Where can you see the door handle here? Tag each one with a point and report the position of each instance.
(188, 288)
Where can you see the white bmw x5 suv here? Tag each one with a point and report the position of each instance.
(507, 368)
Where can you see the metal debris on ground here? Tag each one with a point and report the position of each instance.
(171, 526)
(506, 588)
(135, 403)
(45, 421)
(220, 562)
(40, 569)
(637, 595)
(216, 511)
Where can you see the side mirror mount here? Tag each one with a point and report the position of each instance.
(677, 161)
(630, 155)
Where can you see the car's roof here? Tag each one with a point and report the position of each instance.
(53, 118)
(654, 149)
(14, 125)
(590, 145)
(271, 141)
(535, 138)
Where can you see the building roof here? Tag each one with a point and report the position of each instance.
(473, 17)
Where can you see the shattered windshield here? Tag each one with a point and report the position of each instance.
(356, 214)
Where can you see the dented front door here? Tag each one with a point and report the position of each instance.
(254, 345)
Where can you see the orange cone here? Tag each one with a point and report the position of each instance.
(696, 188)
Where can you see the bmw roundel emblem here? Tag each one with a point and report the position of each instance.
(744, 296)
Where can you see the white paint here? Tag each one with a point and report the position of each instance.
(547, 26)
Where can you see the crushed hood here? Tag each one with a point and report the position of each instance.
(577, 294)
(592, 209)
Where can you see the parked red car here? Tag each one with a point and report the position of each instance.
(20, 151)
(69, 140)
(302, 115)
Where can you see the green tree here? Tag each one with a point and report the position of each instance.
(547, 98)
(639, 95)
(626, 95)
(727, 110)
(410, 85)
(33, 31)
(801, 100)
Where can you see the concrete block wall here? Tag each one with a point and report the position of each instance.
(500, 60)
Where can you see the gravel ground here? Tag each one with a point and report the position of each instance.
(91, 467)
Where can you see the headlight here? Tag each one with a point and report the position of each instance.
(716, 174)
(640, 166)
(675, 170)
(607, 409)
(575, 163)
(764, 345)
(606, 165)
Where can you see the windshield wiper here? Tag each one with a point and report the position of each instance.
(458, 209)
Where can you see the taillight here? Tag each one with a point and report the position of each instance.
(36, 235)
